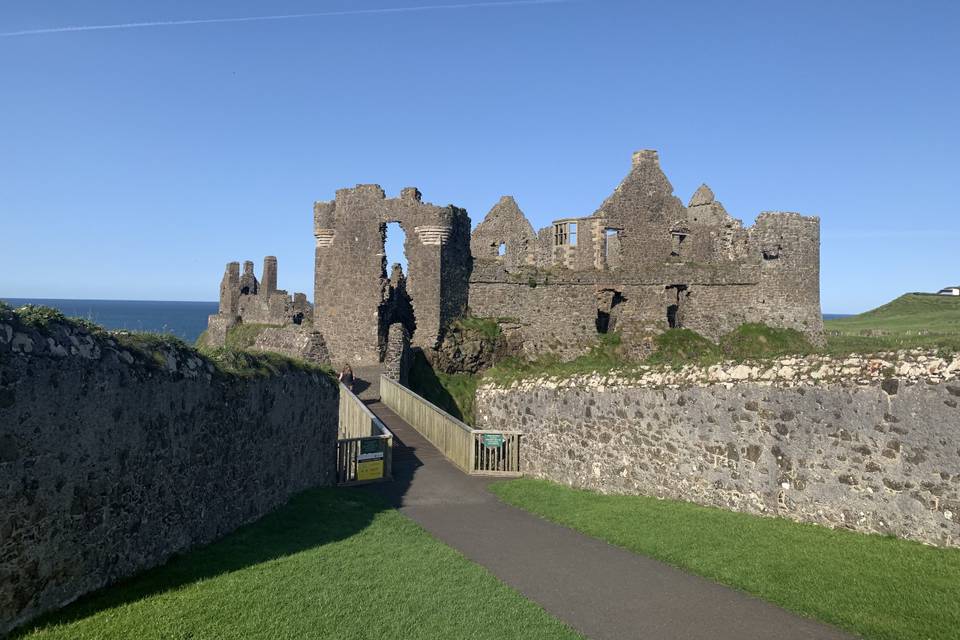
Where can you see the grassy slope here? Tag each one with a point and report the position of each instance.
(330, 564)
(880, 587)
(454, 393)
(901, 320)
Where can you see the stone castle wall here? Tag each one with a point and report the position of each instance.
(112, 460)
(867, 444)
(351, 277)
(641, 263)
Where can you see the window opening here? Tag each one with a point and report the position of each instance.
(678, 238)
(559, 234)
(608, 235)
(393, 244)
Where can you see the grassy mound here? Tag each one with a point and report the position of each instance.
(911, 321)
(678, 347)
(908, 313)
(754, 341)
(603, 356)
(242, 336)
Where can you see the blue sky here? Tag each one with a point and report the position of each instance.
(137, 161)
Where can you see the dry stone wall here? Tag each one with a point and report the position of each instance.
(869, 444)
(112, 460)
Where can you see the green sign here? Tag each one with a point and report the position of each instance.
(492, 440)
(370, 450)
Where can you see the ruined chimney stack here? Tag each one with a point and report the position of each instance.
(248, 281)
(269, 274)
(230, 290)
(410, 193)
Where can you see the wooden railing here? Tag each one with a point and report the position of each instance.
(364, 444)
(487, 452)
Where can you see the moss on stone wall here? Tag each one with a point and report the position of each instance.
(242, 336)
(155, 350)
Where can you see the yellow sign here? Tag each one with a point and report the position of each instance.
(370, 470)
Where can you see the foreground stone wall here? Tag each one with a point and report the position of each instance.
(869, 444)
(112, 460)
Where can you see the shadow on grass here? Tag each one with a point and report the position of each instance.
(309, 519)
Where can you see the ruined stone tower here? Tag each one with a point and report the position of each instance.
(352, 287)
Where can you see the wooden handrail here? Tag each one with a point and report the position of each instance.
(463, 445)
(358, 425)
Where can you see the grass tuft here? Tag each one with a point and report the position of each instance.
(40, 317)
(487, 327)
(678, 347)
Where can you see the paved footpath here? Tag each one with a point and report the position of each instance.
(601, 590)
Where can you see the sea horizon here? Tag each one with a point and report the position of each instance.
(186, 319)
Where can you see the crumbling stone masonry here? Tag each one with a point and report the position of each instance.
(868, 444)
(112, 460)
(640, 264)
(353, 291)
(244, 299)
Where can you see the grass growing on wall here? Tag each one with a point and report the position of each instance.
(604, 355)
(882, 588)
(152, 348)
(330, 564)
(487, 327)
(242, 336)
(911, 321)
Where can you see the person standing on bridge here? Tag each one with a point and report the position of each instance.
(346, 377)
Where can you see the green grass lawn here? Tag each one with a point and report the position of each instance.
(333, 563)
(879, 587)
(911, 321)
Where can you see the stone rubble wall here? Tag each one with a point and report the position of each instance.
(397, 360)
(295, 341)
(869, 444)
(112, 460)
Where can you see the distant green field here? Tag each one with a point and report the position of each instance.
(912, 320)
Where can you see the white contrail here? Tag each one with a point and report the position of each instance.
(290, 16)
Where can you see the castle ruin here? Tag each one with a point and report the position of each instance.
(640, 264)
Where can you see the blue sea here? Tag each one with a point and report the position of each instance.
(186, 320)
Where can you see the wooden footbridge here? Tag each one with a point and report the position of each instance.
(367, 447)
